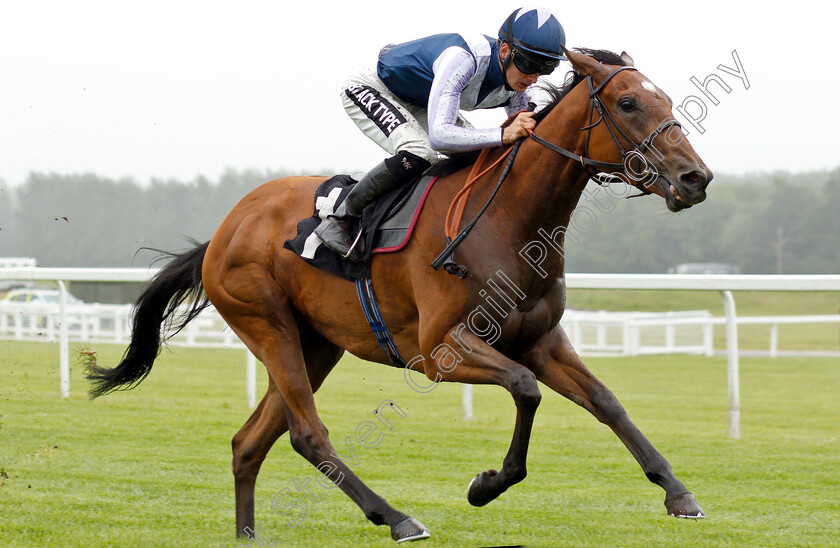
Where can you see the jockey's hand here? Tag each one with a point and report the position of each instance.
(518, 128)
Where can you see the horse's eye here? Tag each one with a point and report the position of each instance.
(627, 105)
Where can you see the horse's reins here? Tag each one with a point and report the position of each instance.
(459, 202)
(595, 104)
(445, 257)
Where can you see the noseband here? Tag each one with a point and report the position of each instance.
(649, 172)
(595, 104)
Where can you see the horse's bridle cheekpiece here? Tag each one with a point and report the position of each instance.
(639, 179)
(636, 153)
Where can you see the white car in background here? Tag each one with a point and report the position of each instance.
(39, 304)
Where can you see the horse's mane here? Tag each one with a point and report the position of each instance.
(556, 94)
(573, 78)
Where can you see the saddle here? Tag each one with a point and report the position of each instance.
(387, 225)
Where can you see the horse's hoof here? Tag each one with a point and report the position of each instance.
(409, 529)
(684, 506)
(475, 495)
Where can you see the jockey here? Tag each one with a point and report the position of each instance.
(410, 104)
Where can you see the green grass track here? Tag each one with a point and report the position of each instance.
(151, 467)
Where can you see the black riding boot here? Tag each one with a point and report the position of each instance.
(340, 230)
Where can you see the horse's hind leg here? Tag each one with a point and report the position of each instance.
(268, 422)
(558, 366)
(271, 332)
(250, 446)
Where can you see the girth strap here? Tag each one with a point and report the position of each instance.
(367, 298)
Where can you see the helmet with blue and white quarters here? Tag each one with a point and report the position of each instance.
(536, 38)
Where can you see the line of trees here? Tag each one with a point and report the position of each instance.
(91, 221)
(764, 224)
(768, 224)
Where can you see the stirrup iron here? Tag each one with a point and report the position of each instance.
(354, 244)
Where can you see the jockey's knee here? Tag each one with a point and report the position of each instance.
(405, 164)
(420, 151)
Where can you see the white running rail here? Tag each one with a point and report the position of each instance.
(725, 283)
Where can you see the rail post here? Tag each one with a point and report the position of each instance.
(732, 365)
(63, 340)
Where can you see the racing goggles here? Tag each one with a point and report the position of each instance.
(529, 63)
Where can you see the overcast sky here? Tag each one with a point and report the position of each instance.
(177, 89)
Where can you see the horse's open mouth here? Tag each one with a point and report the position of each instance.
(673, 199)
(677, 198)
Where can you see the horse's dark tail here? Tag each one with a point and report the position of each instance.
(157, 306)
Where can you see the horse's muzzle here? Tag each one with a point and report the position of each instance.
(687, 189)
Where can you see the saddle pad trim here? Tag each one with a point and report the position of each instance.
(411, 226)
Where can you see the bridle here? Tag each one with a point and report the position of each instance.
(595, 104)
(649, 172)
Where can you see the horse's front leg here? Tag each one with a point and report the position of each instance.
(485, 365)
(557, 365)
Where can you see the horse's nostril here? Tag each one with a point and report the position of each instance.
(694, 178)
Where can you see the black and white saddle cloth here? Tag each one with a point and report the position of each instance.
(387, 224)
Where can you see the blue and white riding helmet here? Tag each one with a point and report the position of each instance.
(536, 38)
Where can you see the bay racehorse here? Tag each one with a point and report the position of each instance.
(298, 320)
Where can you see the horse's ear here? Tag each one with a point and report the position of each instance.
(585, 64)
(627, 59)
